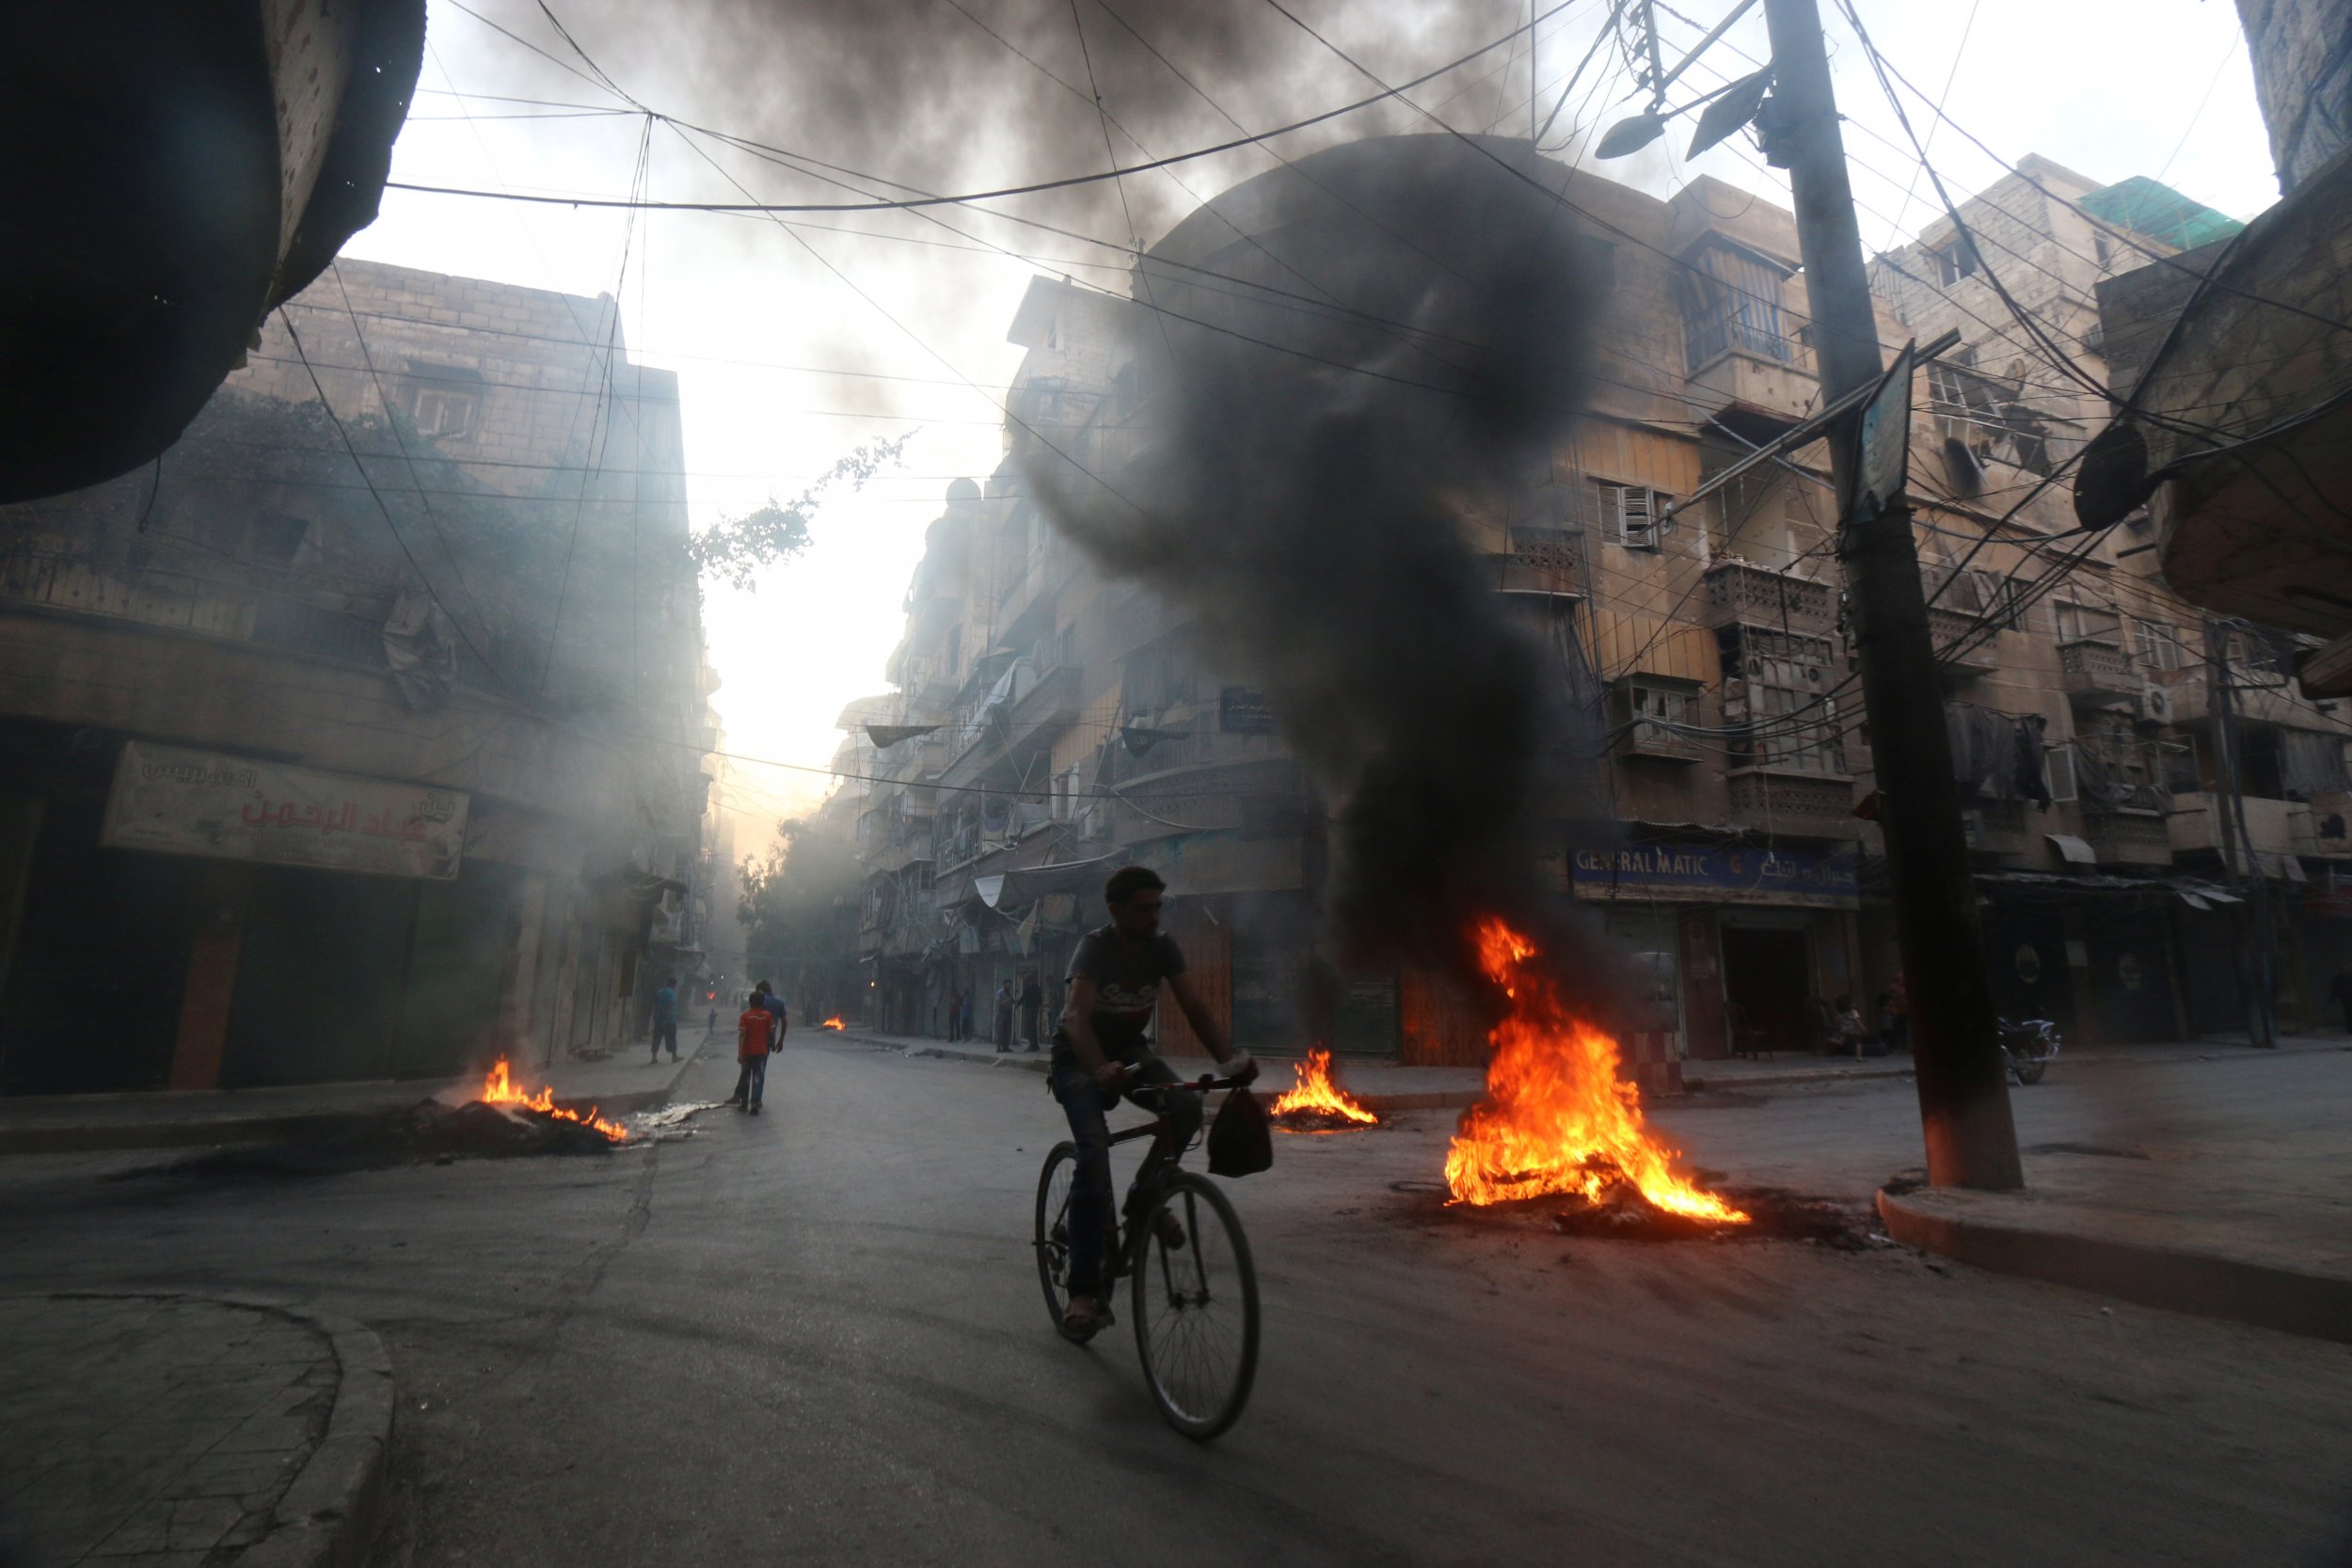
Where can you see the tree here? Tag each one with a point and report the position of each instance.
(738, 548)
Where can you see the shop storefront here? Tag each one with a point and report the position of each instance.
(1742, 947)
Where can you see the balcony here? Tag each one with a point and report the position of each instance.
(1809, 805)
(1961, 645)
(1018, 721)
(1759, 380)
(1998, 826)
(1737, 592)
(2128, 837)
(1541, 561)
(2098, 674)
(2272, 827)
(2259, 697)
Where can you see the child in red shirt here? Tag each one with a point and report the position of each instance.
(752, 1031)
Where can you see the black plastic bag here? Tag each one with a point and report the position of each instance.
(1241, 1140)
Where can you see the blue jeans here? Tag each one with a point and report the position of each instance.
(751, 1079)
(1084, 1102)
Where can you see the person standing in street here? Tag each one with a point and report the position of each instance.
(753, 1040)
(666, 1017)
(1032, 1001)
(955, 1016)
(1003, 1014)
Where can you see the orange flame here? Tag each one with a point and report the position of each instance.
(1557, 1118)
(1319, 1094)
(499, 1089)
(833, 1022)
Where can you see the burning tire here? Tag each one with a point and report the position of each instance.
(1195, 1307)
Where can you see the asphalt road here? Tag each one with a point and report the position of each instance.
(816, 1337)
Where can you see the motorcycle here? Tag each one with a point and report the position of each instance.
(2026, 1047)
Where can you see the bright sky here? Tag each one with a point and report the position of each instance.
(786, 364)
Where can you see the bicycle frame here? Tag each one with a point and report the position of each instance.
(1120, 1258)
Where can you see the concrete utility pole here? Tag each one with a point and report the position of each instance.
(1963, 1088)
(2257, 963)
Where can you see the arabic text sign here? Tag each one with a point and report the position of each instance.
(184, 803)
(1716, 875)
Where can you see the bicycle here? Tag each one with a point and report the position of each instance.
(1195, 1301)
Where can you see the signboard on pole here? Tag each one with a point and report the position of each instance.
(1244, 711)
(178, 801)
(1883, 441)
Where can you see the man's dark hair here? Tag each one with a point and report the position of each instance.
(1128, 880)
(751, 1000)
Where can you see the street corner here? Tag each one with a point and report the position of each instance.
(229, 1428)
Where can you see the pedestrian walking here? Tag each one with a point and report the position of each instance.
(666, 1017)
(1032, 1001)
(754, 1040)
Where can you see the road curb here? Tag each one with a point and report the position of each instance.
(267, 1126)
(1702, 1084)
(330, 1513)
(2208, 1284)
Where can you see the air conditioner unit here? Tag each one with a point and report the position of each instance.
(2155, 703)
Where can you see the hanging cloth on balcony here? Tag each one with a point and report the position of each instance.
(886, 735)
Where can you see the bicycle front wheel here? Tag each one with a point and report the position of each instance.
(1196, 1306)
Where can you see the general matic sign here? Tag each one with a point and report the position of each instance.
(183, 802)
(1708, 873)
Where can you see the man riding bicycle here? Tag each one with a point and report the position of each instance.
(1099, 1053)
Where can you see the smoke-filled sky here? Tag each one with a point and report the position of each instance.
(795, 340)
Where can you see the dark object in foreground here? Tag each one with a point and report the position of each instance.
(426, 1132)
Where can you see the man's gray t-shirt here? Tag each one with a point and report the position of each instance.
(1126, 983)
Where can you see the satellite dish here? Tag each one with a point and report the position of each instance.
(1734, 108)
(1630, 135)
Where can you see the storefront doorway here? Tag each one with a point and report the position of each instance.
(1767, 986)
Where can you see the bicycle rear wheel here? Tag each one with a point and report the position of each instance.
(1052, 1228)
(1195, 1307)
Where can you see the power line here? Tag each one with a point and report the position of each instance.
(1002, 193)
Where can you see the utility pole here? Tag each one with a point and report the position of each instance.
(1964, 1087)
(2256, 962)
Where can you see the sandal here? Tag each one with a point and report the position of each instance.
(1083, 1318)
(1170, 1230)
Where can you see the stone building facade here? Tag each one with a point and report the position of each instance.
(1056, 724)
(429, 539)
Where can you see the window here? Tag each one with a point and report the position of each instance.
(1629, 513)
(1777, 688)
(1731, 300)
(2057, 773)
(441, 412)
(2159, 646)
(2078, 622)
(1651, 710)
(1955, 260)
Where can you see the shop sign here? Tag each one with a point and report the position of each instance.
(1714, 875)
(186, 802)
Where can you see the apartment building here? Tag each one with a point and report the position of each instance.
(362, 736)
(1050, 724)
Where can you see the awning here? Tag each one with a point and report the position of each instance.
(2075, 850)
(1011, 889)
(2284, 866)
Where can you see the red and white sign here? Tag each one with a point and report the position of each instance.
(186, 802)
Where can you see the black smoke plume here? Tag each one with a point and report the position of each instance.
(1387, 342)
